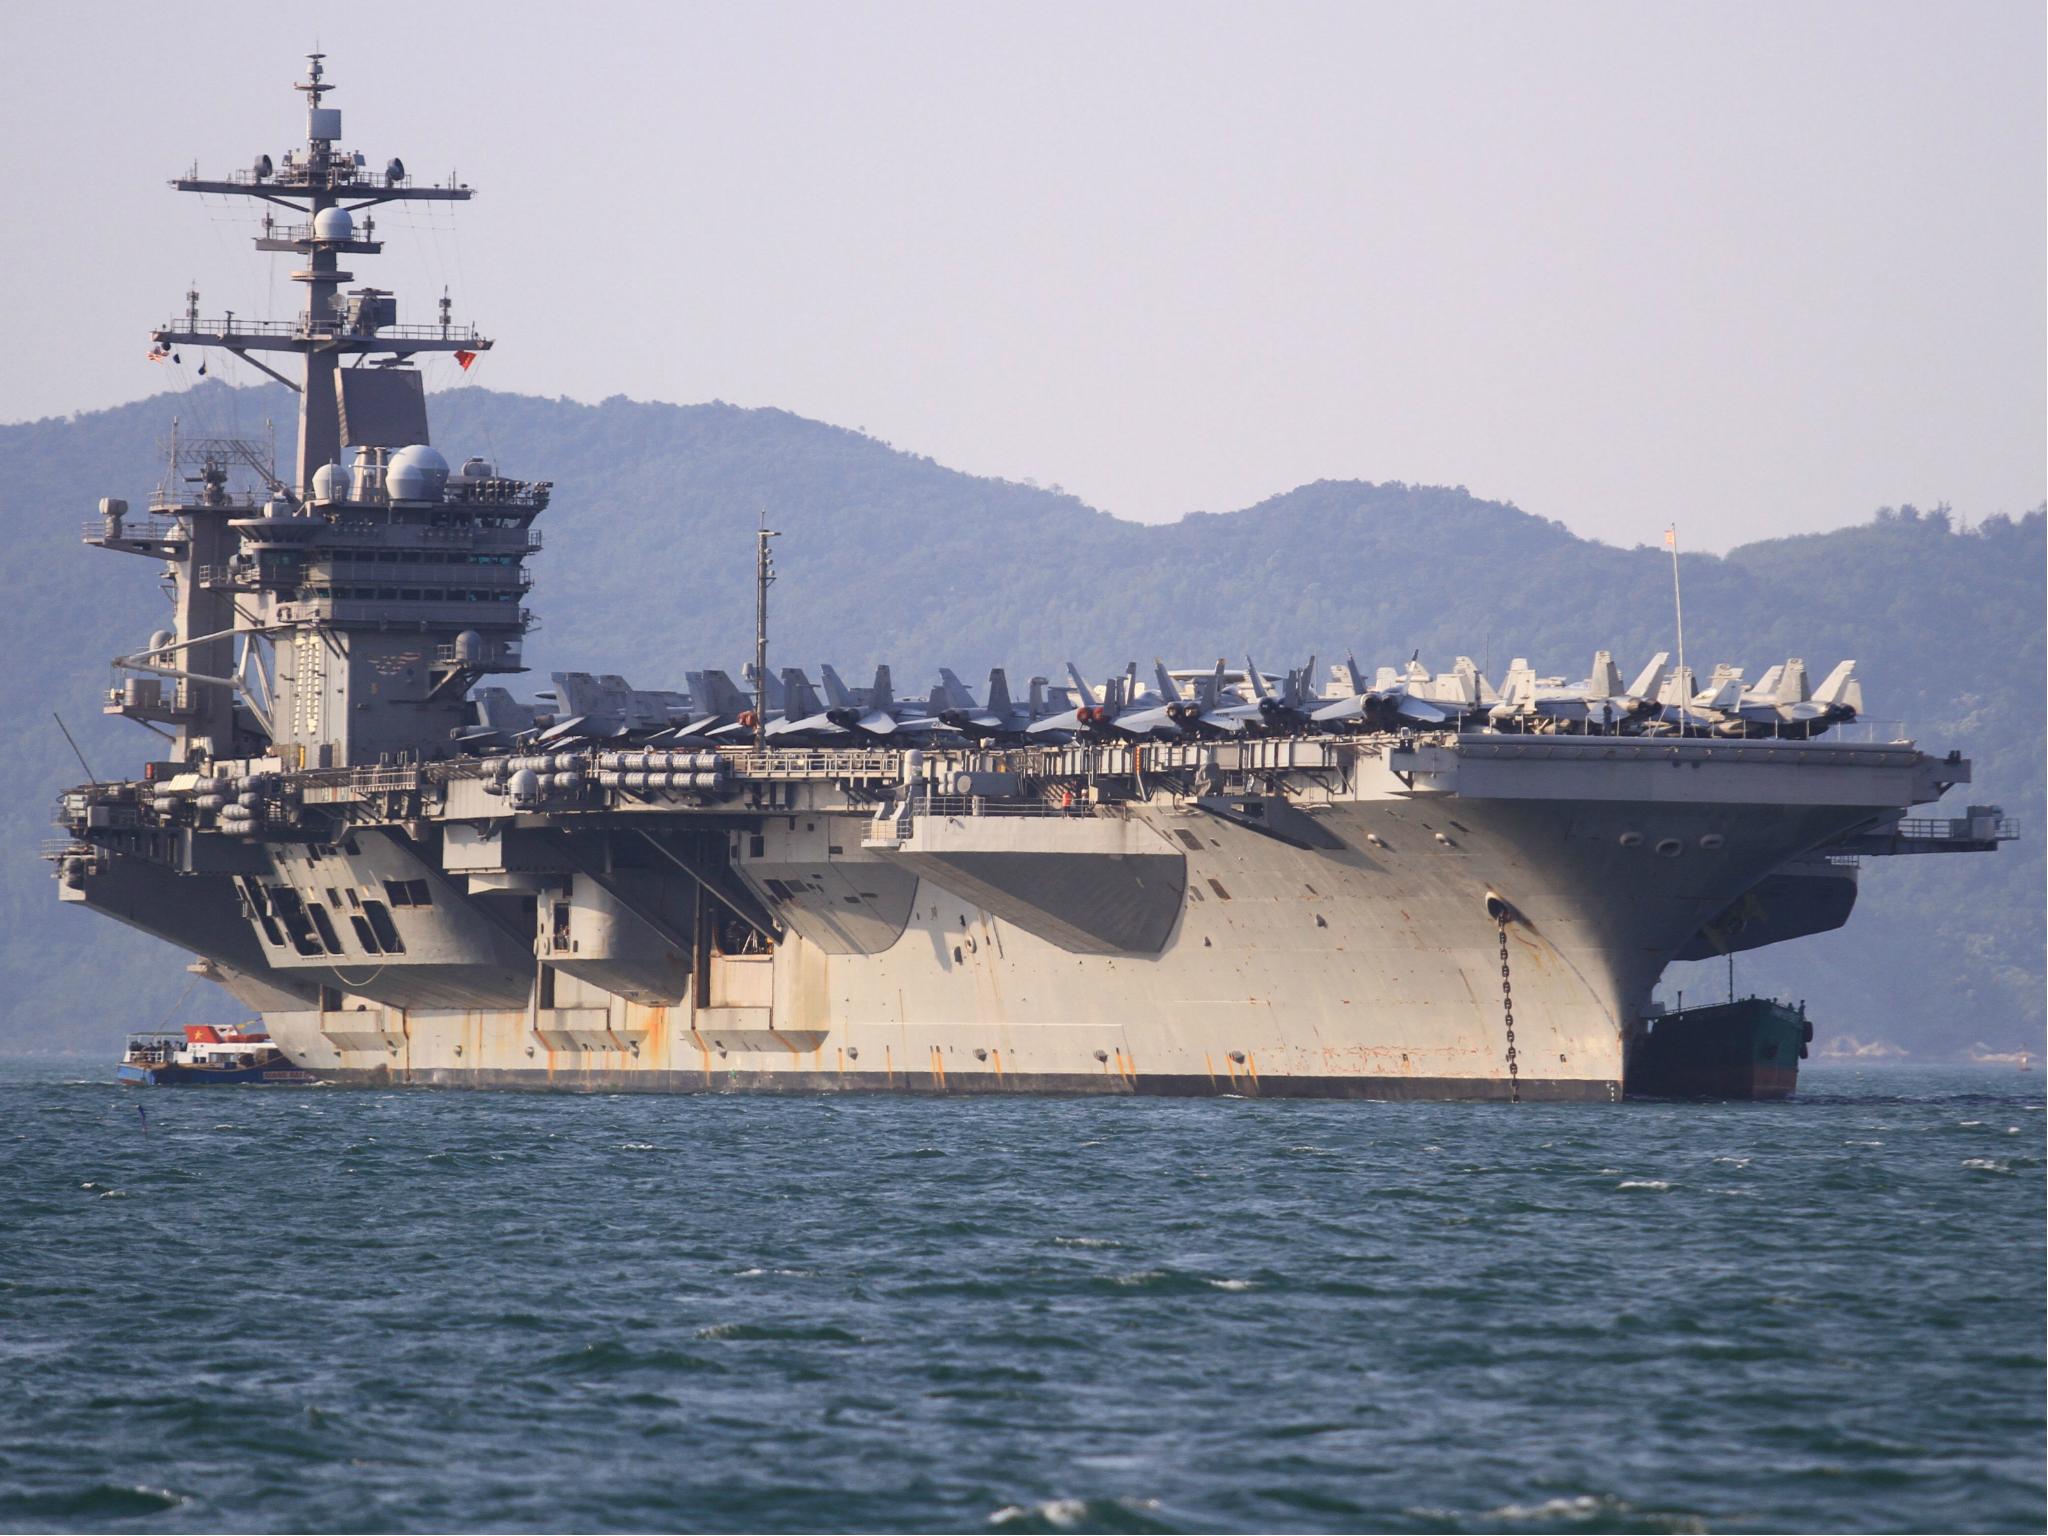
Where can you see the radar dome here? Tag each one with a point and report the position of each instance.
(418, 473)
(478, 469)
(162, 640)
(329, 483)
(333, 224)
(469, 648)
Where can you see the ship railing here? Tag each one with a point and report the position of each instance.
(226, 576)
(340, 171)
(987, 805)
(498, 492)
(163, 501)
(301, 329)
(384, 780)
(1996, 829)
(816, 763)
(1869, 732)
(94, 530)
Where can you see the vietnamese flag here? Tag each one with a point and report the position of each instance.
(465, 359)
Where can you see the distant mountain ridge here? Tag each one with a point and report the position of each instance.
(888, 556)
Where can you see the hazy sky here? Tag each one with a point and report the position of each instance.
(1760, 268)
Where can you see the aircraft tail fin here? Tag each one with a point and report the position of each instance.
(1354, 677)
(1301, 685)
(1256, 683)
(883, 695)
(1792, 683)
(953, 691)
(1649, 683)
(1604, 682)
(800, 699)
(719, 695)
(836, 692)
(998, 692)
(1169, 690)
(1840, 688)
(1724, 688)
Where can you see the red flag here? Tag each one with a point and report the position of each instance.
(465, 358)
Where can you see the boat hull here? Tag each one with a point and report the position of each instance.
(176, 1076)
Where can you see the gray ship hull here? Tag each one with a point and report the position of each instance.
(1373, 926)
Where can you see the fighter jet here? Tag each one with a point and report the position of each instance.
(1686, 709)
(1388, 702)
(875, 713)
(606, 707)
(1780, 705)
(719, 710)
(803, 720)
(1289, 709)
(498, 720)
(1530, 703)
(1097, 715)
(999, 720)
(1208, 709)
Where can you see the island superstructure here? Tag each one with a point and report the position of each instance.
(1388, 885)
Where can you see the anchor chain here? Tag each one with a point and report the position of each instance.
(1507, 1008)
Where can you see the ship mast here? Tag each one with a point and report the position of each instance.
(764, 578)
(365, 598)
(329, 187)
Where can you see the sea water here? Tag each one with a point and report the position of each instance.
(329, 1309)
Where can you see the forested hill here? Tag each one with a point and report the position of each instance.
(889, 556)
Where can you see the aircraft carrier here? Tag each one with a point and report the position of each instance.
(1384, 883)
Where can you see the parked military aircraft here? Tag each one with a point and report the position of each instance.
(1388, 702)
(719, 710)
(499, 719)
(1097, 715)
(1530, 703)
(605, 707)
(804, 720)
(1291, 708)
(1208, 708)
(876, 713)
(999, 718)
(1781, 705)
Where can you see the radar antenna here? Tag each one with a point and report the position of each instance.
(328, 187)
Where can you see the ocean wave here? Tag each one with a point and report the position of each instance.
(1080, 1515)
(98, 1502)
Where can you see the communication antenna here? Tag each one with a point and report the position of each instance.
(1678, 612)
(74, 748)
(764, 578)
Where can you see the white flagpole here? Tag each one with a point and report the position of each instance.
(1678, 611)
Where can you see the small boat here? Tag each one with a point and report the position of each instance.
(1746, 1049)
(207, 1053)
